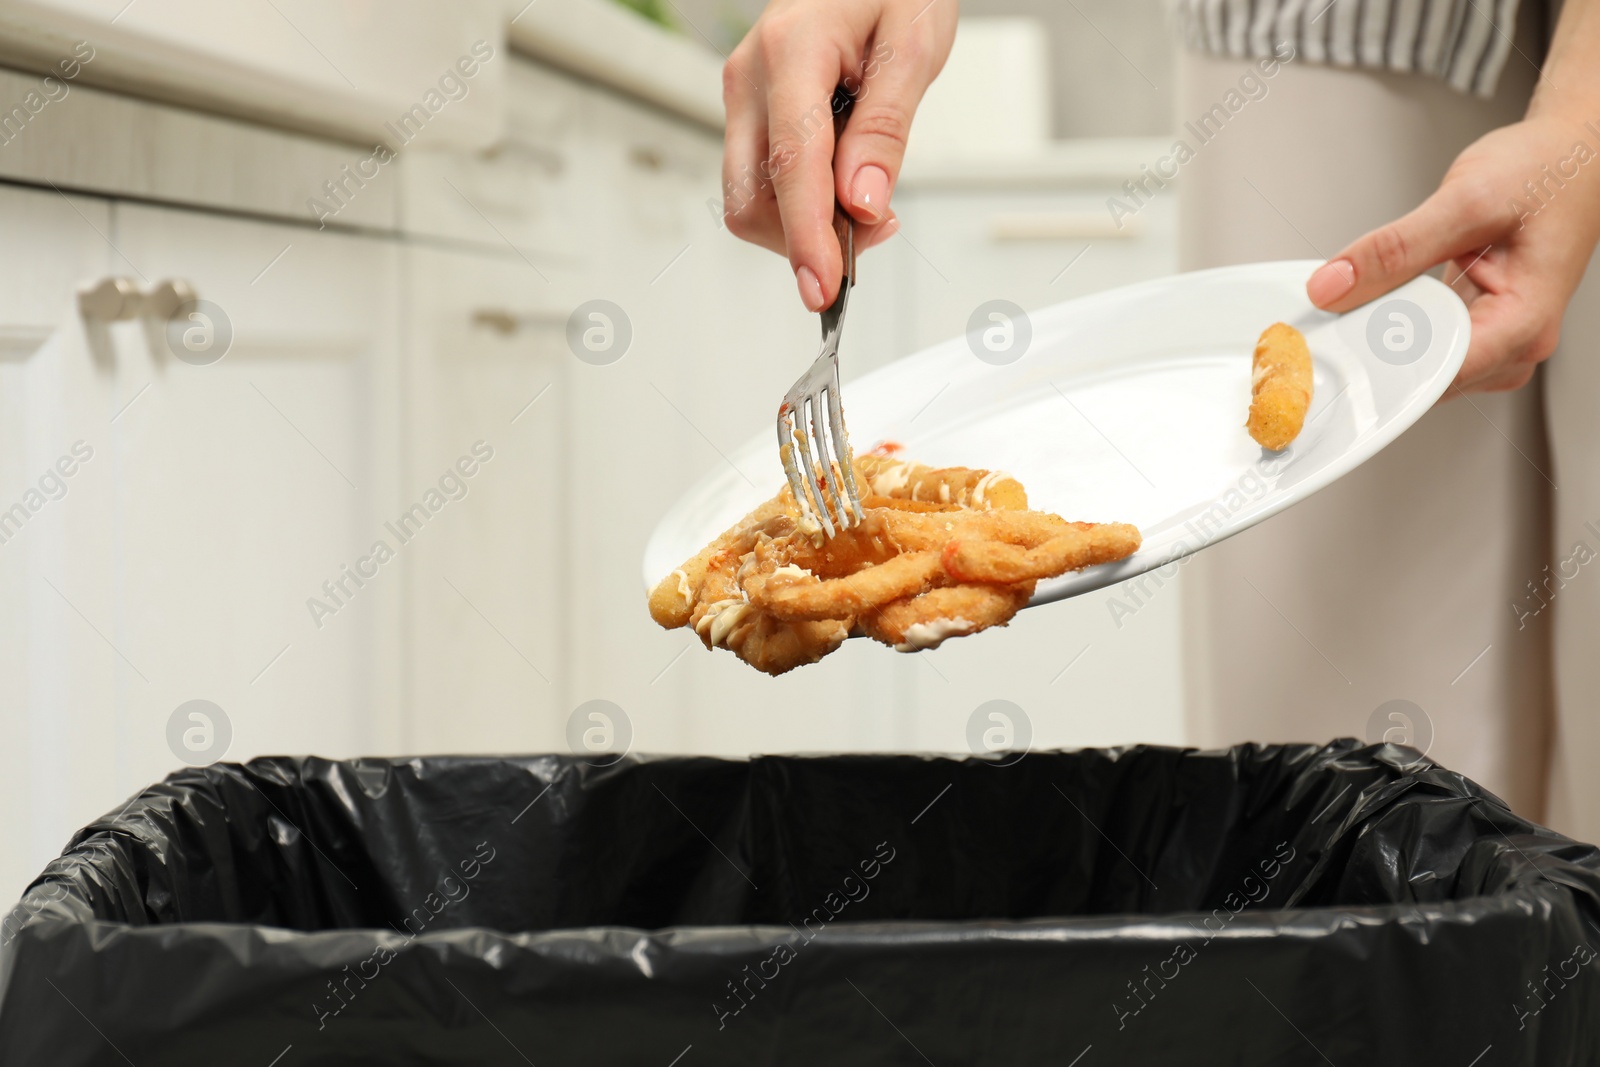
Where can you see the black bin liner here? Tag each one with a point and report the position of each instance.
(1341, 905)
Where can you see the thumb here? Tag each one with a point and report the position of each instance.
(866, 162)
(1450, 223)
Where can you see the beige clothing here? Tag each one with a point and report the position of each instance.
(1402, 580)
(1571, 395)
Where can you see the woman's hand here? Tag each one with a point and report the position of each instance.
(780, 170)
(1514, 257)
(1516, 218)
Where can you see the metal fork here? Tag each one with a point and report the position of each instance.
(819, 385)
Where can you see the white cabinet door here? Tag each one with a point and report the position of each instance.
(67, 659)
(1034, 248)
(488, 578)
(252, 491)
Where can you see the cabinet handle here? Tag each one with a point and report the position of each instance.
(654, 160)
(162, 301)
(552, 162)
(1061, 226)
(505, 323)
(109, 300)
(646, 157)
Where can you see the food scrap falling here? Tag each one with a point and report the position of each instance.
(1280, 387)
(940, 553)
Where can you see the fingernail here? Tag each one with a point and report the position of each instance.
(810, 288)
(870, 191)
(1331, 281)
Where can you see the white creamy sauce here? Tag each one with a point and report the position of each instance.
(792, 570)
(683, 586)
(720, 619)
(808, 526)
(984, 485)
(887, 481)
(921, 635)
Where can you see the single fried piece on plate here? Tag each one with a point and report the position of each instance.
(1280, 387)
(940, 553)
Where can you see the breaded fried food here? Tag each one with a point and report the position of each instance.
(913, 573)
(674, 597)
(928, 620)
(1280, 387)
(725, 618)
(1079, 545)
(961, 486)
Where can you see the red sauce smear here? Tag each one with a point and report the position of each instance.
(947, 559)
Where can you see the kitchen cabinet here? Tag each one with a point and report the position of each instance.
(522, 195)
(218, 498)
(342, 69)
(485, 649)
(980, 239)
(62, 676)
(250, 489)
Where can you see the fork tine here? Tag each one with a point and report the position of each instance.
(841, 448)
(786, 453)
(832, 499)
(808, 465)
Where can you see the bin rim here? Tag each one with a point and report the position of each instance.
(1528, 892)
(1318, 920)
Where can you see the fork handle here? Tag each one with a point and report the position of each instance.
(844, 226)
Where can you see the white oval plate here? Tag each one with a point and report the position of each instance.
(1129, 406)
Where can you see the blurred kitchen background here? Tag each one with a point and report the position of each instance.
(193, 478)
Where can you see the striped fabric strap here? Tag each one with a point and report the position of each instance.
(1464, 42)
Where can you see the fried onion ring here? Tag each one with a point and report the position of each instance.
(1082, 545)
(673, 599)
(926, 621)
(796, 599)
(724, 617)
(962, 486)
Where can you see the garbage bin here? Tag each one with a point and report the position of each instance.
(1343, 904)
